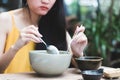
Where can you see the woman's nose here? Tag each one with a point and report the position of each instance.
(45, 1)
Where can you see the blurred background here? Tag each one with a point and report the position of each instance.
(101, 19)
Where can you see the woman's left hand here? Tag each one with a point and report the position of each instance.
(79, 41)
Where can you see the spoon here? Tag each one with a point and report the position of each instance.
(51, 49)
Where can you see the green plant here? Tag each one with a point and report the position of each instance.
(102, 31)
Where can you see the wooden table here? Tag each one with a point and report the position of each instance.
(69, 74)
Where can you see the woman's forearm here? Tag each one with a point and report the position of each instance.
(6, 58)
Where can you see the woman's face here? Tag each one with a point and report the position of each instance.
(40, 7)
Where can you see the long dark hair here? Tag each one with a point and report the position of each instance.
(53, 26)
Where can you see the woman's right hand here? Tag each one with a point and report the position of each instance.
(27, 34)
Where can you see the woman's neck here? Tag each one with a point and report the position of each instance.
(33, 18)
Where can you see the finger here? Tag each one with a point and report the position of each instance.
(36, 29)
(32, 37)
(79, 37)
(31, 30)
(82, 28)
(31, 27)
(82, 38)
(79, 29)
(76, 30)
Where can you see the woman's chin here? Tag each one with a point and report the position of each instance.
(42, 13)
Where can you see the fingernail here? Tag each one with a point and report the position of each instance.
(41, 35)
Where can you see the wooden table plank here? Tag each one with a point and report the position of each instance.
(69, 74)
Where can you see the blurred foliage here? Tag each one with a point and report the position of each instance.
(102, 31)
(102, 27)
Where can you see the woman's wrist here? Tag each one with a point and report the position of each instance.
(14, 48)
(76, 55)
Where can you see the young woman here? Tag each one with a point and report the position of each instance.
(21, 30)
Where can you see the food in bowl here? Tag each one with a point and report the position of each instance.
(89, 62)
(49, 64)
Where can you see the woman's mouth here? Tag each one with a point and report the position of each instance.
(44, 8)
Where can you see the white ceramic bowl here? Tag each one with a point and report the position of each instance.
(49, 64)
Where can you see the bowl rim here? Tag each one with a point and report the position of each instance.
(89, 58)
(37, 52)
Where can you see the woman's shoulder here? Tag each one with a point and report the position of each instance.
(5, 20)
(5, 17)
